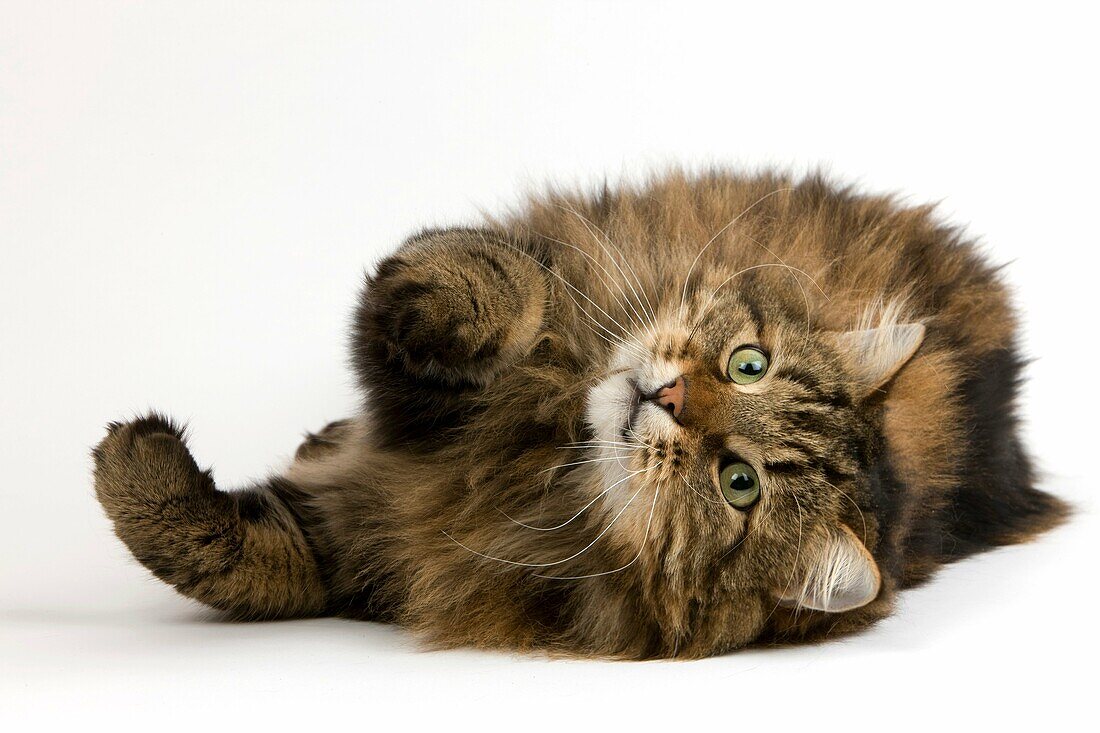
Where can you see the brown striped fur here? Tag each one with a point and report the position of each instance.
(483, 352)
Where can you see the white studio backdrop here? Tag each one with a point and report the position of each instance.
(190, 193)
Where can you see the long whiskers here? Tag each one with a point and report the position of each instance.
(583, 509)
(713, 296)
(631, 345)
(648, 307)
(791, 274)
(759, 522)
(563, 560)
(638, 438)
(695, 491)
(624, 302)
(687, 278)
(595, 442)
(601, 459)
(641, 548)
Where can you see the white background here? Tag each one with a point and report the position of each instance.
(189, 193)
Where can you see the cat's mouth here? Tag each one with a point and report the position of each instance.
(627, 405)
(641, 399)
(637, 397)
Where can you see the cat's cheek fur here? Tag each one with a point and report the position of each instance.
(608, 406)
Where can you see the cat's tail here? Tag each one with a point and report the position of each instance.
(242, 552)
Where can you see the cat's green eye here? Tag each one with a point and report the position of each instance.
(747, 365)
(740, 484)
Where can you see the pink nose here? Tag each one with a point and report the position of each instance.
(671, 396)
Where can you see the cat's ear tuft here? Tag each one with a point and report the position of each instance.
(876, 354)
(840, 575)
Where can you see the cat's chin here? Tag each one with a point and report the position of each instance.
(649, 424)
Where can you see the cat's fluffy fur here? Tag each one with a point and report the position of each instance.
(508, 483)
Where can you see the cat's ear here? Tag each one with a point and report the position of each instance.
(840, 575)
(874, 355)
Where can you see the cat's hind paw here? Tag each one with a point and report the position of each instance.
(143, 464)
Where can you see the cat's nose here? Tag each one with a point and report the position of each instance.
(671, 397)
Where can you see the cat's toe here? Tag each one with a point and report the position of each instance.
(155, 423)
(144, 460)
(122, 437)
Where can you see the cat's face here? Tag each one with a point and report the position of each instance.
(737, 440)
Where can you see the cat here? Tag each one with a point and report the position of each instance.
(670, 419)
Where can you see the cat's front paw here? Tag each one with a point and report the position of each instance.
(436, 317)
(459, 313)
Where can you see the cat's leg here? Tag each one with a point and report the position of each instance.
(442, 318)
(242, 551)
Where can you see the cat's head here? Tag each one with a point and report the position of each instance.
(737, 441)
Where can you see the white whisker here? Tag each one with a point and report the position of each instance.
(641, 548)
(581, 463)
(698, 493)
(713, 296)
(563, 560)
(582, 510)
(759, 522)
(636, 348)
(639, 439)
(589, 225)
(624, 303)
(601, 444)
(687, 278)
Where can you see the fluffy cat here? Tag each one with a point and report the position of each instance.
(662, 421)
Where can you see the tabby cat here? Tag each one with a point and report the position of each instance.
(668, 420)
